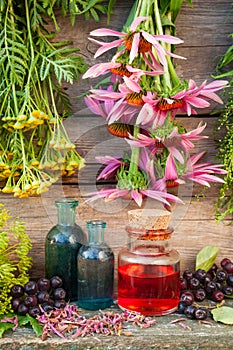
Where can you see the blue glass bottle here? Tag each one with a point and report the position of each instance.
(62, 245)
(95, 269)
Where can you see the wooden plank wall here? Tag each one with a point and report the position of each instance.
(204, 29)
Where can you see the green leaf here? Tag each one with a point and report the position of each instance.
(206, 257)
(36, 326)
(4, 326)
(223, 314)
(175, 7)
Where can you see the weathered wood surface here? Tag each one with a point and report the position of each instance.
(204, 29)
(194, 222)
(163, 335)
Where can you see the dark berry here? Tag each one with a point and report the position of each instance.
(31, 288)
(187, 298)
(199, 294)
(187, 274)
(59, 304)
(59, 293)
(230, 280)
(227, 290)
(217, 296)
(43, 297)
(208, 279)
(55, 282)
(194, 283)
(30, 300)
(43, 284)
(221, 276)
(17, 291)
(190, 311)
(22, 309)
(15, 303)
(34, 311)
(181, 307)
(224, 262)
(183, 284)
(212, 271)
(210, 287)
(47, 307)
(200, 274)
(201, 314)
(228, 267)
(218, 285)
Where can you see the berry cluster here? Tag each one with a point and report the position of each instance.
(215, 285)
(34, 296)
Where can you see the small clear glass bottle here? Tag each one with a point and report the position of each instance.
(62, 244)
(95, 269)
(149, 273)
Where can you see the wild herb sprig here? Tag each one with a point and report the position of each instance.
(224, 205)
(15, 262)
(35, 149)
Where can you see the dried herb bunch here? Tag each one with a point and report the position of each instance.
(15, 262)
(35, 149)
(224, 204)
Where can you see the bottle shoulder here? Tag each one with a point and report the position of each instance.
(169, 257)
(66, 234)
(95, 252)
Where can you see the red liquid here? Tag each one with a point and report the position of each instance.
(148, 289)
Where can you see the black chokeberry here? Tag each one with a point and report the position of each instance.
(22, 309)
(227, 290)
(200, 274)
(187, 298)
(183, 284)
(194, 283)
(210, 287)
(190, 311)
(221, 275)
(56, 282)
(34, 311)
(30, 300)
(199, 294)
(17, 291)
(59, 293)
(187, 274)
(43, 284)
(228, 267)
(224, 261)
(230, 280)
(201, 314)
(31, 288)
(217, 296)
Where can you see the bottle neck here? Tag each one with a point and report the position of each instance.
(66, 211)
(149, 242)
(96, 231)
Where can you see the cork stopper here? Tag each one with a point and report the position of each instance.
(149, 219)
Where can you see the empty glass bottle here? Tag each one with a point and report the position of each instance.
(95, 269)
(62, 245)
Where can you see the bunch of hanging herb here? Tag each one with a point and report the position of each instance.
(224, 205)
(14, 259)
(35, 149)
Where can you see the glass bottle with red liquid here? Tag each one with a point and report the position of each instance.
(148, 268)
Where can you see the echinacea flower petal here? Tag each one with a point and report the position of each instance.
(136, 22)
(137, 197)
(105, 32)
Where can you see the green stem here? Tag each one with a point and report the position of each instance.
(173, 75)
(135, 154)
(166, 76)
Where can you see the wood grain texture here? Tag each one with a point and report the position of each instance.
(204, 29)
